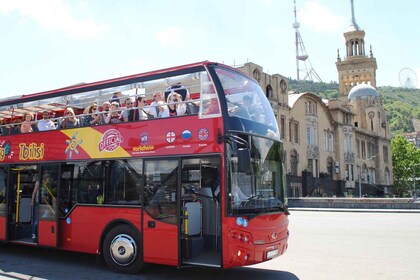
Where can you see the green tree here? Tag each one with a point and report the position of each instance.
(406, 164)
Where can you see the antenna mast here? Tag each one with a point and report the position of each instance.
(301, 56)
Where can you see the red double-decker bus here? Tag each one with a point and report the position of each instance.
(194, 179)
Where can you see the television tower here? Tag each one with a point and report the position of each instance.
(308, 71)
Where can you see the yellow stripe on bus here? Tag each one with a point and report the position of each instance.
(89, 139)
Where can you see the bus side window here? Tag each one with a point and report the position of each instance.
(125, 182)
(160, 189)
(3, 177)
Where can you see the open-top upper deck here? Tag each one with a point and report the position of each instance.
(203, 91)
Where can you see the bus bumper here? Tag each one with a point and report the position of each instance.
(253, 254)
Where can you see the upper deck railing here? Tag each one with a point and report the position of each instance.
(184, 90)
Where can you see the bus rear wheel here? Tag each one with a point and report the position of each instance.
(121, 249)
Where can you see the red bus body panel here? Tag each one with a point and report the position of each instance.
(3, 228)
(47, 233)
(82, 230)
(265, 233)
(160, 243)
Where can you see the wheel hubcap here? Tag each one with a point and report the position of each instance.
(123, 249)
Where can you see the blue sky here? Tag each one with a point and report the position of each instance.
(48, 44)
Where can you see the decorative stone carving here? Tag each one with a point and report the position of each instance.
(312, 152)
(349, 158)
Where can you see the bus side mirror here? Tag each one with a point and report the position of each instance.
(244, 160)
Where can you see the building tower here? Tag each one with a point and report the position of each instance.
(356, 68)
(365, 129)
(307, 70)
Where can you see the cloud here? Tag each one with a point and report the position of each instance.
(53, 15)
(320, 18)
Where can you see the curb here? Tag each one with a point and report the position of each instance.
(356, 210)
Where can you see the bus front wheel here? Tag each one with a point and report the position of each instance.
(121, 250)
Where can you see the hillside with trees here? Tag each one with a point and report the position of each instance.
(401, 104)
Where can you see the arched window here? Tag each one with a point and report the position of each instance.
(284, 159)
(269, 91)
(364, 173)
(330, 166)
(387, 181)
(373, 173)
(283, 86)
(294, 160)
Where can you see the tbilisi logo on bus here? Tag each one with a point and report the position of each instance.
(110, 140)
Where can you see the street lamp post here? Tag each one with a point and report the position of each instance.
(414, 181)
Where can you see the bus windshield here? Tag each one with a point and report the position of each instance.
(262, 189)
(245, 98)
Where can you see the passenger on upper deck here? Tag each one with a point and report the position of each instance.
(211, 107)
(4, 129)
(176, 108)
(163, 111)
(143, 114)
(154, 110)
(46, 123)
(70, 119)
(178, 88)
(27, 123)
(12, 128)
(116, 98)
(105, 107)
(246, 110)
(192, 107)
(129, 111)
(114, 115)
(91, 116)
(7, 128)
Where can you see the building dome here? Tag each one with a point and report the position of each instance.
(362, 91)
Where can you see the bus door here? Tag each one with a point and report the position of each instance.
(159, 222)
(20, 214)
(3, 202)
(200, 226)
(48, 206)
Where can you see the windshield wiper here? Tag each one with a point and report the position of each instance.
(254, 197)
(284, 208)
(279, 207)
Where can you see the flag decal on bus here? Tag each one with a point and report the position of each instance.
(144, 138)
(186, 135)
(203, 134)
(170, 137)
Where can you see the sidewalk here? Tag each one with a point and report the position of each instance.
(361, 210)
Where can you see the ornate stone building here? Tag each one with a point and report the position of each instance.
(335, 147)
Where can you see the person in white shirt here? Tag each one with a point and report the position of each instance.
(175, 107)
(46, 123)
(163, 111)
(157, 96)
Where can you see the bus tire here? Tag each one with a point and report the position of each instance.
(121, 249)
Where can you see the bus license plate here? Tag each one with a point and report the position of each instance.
(272, 254)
